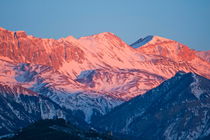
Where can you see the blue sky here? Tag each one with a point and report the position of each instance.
(187, 21)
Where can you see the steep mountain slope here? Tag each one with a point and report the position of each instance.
(19, 47)
(204, 55)
(93, 74)
(71, 56)
(59, 88)
(177, 109)
(176, 52)
(20, 106)
(105, 51)
(167, 48)
(119, 83)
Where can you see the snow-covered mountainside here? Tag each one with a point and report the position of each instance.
(20, 106)
(119, 83)
(93, 74)
(176, 52)
(106, 52)
(177, 109)
(168, 48)
(59, 88)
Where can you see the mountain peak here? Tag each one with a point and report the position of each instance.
(160, 46)
(150, 39)
(103, 40)
(157, 39)
(70, 39)
(103, 35)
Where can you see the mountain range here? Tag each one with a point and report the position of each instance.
(92, 77)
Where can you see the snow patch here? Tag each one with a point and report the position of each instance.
(195, 89)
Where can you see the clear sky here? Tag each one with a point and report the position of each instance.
(187, 21)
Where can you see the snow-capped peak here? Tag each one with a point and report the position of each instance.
(157, 39)
(70, 38)
(159, 46)
(100, 36)
(104, 34)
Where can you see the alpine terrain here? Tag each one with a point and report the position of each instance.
(83, 79)
(177, 109)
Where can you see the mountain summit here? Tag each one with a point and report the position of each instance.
(156, 45)
(148, 40)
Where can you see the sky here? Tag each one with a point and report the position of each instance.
(186, 21)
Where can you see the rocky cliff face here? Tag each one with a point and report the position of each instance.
(21, 48)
